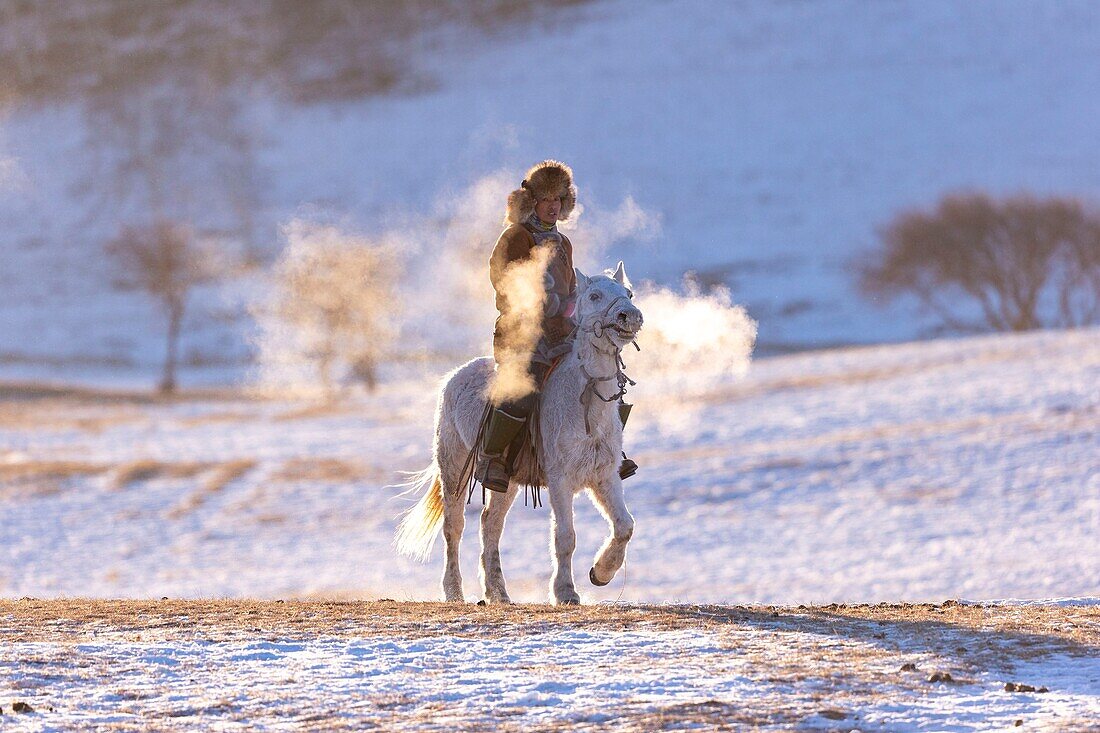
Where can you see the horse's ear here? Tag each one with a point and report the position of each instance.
(582, 279)
(620, 275)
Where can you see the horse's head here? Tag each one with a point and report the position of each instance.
(604, 307)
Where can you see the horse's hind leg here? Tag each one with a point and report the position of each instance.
(492, 525)
(454, 519)
(609, 499)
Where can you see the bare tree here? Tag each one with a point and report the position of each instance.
(1023, 262)
(176, 152)
(336, 295)
(164, 261)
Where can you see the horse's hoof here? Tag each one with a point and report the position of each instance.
(568, 602)
(483, 602)
(592, 577)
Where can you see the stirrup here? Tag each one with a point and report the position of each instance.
(627, 468)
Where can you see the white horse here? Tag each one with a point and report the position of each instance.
(580, 443)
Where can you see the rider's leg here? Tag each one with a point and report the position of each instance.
(628, 467)
(501, 430)
(505, 426)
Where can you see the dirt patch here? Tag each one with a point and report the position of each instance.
(1072, 628)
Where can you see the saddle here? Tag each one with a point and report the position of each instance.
(522, 460)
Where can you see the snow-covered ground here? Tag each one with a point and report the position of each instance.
(950, 469)
(759, 142)
(227, 666)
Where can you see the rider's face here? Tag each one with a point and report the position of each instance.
(548, 208)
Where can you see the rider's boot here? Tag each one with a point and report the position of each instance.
(492, 470)
(628, 467)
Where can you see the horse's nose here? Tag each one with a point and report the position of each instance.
(630, 318)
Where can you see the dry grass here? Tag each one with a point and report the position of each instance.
(41, 478)
(39, 406)
(147, 469)
(37, 470)
(330, 470)
(45, 393)
(226, 473)
(221, 476)
(22, 479)
(349, 407)
(216, 418)
(332, 408)
(65, 415)
(1072, 628)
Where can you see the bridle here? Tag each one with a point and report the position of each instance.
(600, 326)
(599, 329)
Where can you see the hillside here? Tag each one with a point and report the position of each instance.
(964, 469)
(760, 144)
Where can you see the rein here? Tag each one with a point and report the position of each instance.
(599, 330)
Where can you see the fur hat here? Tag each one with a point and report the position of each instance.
(548, 178)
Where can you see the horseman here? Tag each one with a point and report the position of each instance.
(531, 270)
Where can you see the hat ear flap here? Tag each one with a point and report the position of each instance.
(568, 201)
(521, 204)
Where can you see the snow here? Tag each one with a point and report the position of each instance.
(804, 670)
(763, 142)
(962, 468)
(924, 471)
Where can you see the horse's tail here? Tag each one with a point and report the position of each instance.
(420, 525)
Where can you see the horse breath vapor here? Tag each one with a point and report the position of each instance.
(328, 303)
(693, 341)
(442, 300)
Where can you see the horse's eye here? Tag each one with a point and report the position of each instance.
(630, 294)
(594, 296)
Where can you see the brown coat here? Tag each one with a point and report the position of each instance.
(515, 244)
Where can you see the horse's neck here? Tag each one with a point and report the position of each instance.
(585, 362)
(600, 364)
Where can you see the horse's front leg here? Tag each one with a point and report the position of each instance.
(562, 590)
(609, 499)
(492, 524)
